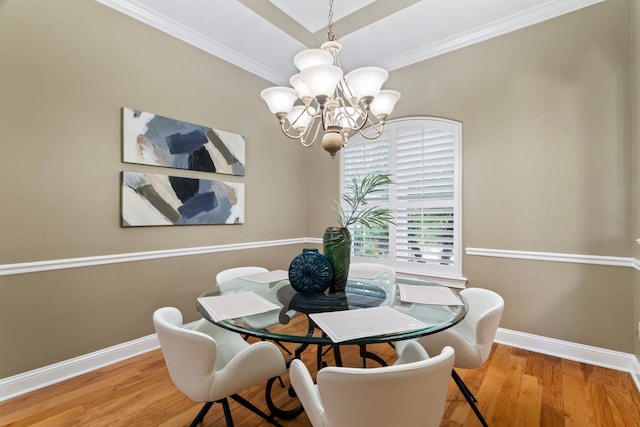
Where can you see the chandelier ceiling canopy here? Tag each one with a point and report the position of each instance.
(325, 102)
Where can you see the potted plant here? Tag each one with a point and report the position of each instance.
(336, 241)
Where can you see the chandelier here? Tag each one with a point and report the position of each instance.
(325, 102)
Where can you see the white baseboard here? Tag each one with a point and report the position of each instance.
(596, 356)
(572, 351)
(47, 375)
(635, 373)
(38, 378)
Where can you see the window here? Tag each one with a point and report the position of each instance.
(423, 156)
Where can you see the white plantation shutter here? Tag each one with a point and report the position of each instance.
(425, 235)
(423, 157)
(425, 164)
(361, 160)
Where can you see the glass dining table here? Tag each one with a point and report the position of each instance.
(292, 321)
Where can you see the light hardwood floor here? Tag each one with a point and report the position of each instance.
(514, 388)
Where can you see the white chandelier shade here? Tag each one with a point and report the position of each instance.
(320, 80)
(310, 57)
(279, 99)
(366, 82)
(325, 103)
(384, 102)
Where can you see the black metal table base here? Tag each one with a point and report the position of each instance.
(289, 414)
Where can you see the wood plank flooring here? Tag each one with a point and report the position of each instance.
(514, 388)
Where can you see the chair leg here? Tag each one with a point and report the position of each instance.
(244, 402)
(227, 412)
(200, 417)
(461, 383)
(468, 396)
(279, 344)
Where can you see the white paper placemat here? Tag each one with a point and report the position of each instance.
(364, 322)
(231, 306)
(439, 295)
(267, 277)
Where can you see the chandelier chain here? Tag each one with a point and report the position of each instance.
(330, 34)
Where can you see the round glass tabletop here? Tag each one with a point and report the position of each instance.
(291, 322)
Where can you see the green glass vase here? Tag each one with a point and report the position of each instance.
(336, 244)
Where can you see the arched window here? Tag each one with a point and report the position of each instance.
(423, 156)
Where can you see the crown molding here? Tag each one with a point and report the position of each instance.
(543, 12)
(192, 37)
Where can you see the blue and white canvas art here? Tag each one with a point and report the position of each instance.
(152, 199)
(150, 139)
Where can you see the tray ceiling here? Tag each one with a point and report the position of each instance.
(262, 36)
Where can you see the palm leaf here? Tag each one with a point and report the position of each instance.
(356, 198)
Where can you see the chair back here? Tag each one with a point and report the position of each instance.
(370, 266)
(483, 317)
(190, 356)
(408, 394)
(236, 272)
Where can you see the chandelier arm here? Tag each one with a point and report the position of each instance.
(379, 128)
(308, 143)
(353, 121)
(293, 123)
(364, 121)
(287, 131)
(322, 111)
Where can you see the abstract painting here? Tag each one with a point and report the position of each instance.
(150, 139)
(151, 199)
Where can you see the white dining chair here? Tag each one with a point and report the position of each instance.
(471, 339)
(354, 267)
(410, 393)
(234, 273)
(210, 364)
(370, 267)
(257, 321)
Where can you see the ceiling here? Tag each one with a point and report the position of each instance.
(263, 36)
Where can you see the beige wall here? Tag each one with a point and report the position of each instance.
(546, 115)
(635, 101)
(546, 155)
(546, 167)
(546, 149)
(67, 69)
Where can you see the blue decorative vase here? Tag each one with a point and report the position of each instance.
(310, 272)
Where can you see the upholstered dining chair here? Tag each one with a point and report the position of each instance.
(410, 393)
(210, 364)
(258, 321)
(233, 273)
(471, 338)
(370, 267)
